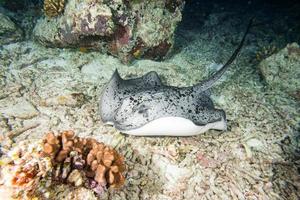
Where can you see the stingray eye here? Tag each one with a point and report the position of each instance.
(143, 109)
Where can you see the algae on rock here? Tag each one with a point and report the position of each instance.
(282, 70)
(128, 30)
(9, 32)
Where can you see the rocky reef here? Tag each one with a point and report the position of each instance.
(281, 71)
(9, 31)
(126, 29)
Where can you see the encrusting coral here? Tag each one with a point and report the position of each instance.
(53, 8)
(265, 52)
(62, 158)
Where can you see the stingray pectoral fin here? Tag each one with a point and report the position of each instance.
(174, 126)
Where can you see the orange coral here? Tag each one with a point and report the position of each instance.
(24, 177)
(51, 144)
(107, 165)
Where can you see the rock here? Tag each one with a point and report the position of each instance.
(93, 70)
(171, 172)
(22, 110)
(71, 99)
(126, 29)
(9, 32)
(6, 192)
(255, 144)
(281, 70)
(76, 178)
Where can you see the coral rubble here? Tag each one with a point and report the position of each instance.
(23, 168)
(53, 8)
(65, 158)
(125, 29)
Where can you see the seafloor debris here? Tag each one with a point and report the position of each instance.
(22, 168)
(22, 109)
(70, 99)
(82, 162)
(53, 8)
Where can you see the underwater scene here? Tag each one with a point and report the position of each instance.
(149, 100)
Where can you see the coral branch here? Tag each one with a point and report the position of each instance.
(53, 8)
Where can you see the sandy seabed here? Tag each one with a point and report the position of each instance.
(43, 89)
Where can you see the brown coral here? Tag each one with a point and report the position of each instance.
(107, 165)
(53, 8)
(96, 160)
(51, 144)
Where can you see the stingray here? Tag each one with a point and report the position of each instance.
(145, 106)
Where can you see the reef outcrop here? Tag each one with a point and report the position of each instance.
(281, 71)
(126, 29)
(9, 31)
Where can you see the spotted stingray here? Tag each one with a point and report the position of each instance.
(145, 106)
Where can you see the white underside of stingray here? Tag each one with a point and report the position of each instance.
(174, 126)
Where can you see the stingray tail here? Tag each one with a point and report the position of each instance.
(206, 84)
